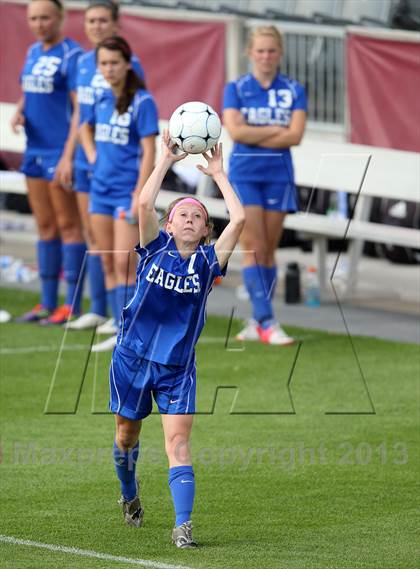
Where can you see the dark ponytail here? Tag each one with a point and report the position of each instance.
(132, 81)
(132, 84)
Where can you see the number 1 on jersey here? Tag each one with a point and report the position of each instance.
(191, 264)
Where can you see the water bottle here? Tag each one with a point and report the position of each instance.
(292, 284)
(312, 293)
(126, 215)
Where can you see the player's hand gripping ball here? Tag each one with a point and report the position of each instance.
(195, 127)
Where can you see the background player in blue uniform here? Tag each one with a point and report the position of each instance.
(119, 139)
(48, 83)
(101, 22)
(265, 114)
(159, 329)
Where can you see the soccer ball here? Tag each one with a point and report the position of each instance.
(195, 127)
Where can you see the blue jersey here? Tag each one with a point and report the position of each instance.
(117, 140)
(47, 79)
(164, 319)
(90, 87)
(261, 107)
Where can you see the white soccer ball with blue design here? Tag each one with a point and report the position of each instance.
(195, 127)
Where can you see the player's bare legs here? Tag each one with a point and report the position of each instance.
(66, 213)
(126, 451)
(177, 430)
(126, 432)
(103, 232)
(116, 240)
(274, 221)
(83, 206)
(42, 208)
(253, 238)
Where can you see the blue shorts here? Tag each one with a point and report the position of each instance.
(104, 205)
(275, 196)
(40, 165)
(133, 381)
(82, 180)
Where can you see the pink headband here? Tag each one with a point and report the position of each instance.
(184, 201)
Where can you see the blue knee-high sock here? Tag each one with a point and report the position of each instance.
(124, 294)
(96, 285)
(125, 467)
(182, 486)
(111, 297)
(258, 293)
(73, 266)
(49, 263)
(270, 275)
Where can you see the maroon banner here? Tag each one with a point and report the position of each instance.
(383, 82)
(183, 61)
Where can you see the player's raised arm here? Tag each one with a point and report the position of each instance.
(229, 237)
(148, 218)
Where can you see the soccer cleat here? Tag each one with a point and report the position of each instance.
(105, 346)
(108, 327)
(182, 536)
(275, 336)
(37, 313)
(86, 322)
(250, 332)
(132, 511)
(61, 315)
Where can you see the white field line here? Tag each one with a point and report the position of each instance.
(93, 554)
(81, 347)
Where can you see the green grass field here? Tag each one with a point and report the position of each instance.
(300, 462)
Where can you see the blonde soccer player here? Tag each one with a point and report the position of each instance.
(265, 115)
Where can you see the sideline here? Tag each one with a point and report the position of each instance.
(93, 554)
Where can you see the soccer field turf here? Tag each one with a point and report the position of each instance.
(307, 459)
